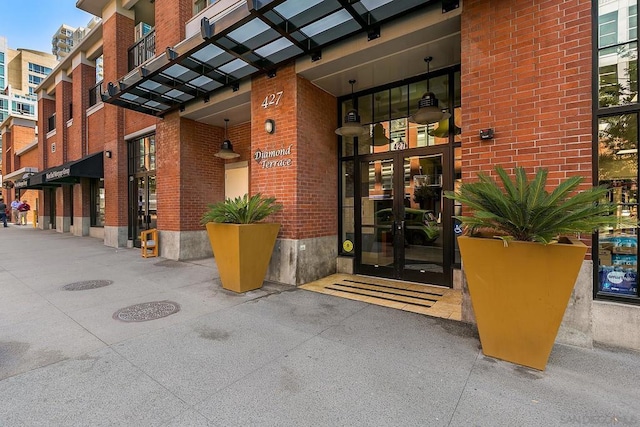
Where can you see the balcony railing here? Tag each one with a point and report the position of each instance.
(94, 94)
(144, 49)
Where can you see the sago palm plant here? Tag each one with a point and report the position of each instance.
(241, 210)
(523, 210)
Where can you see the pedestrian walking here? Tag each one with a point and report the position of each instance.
(24, 209)
(15, 214)
(3, 212)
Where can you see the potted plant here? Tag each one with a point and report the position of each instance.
(242, 245)
(520, 265)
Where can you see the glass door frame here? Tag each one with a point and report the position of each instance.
(398, 270)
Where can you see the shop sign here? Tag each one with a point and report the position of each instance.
(21, 183)
(274, 158)
(58, 174)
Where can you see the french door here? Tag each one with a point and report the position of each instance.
(403, 222)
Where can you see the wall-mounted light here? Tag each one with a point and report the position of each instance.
(226, 149)
(107, 154)
(269, 126)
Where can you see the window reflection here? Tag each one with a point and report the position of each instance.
(618, 170)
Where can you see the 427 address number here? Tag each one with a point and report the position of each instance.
(272, 99)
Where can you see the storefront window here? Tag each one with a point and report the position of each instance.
(97, 197)
(618, 170)
(617, 147)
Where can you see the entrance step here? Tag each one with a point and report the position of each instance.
(420, 298)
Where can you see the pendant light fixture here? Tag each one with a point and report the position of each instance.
(428, 111)
(351, 125)
(226, 149)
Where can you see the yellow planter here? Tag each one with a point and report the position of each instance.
(242, 253)
(519, 294)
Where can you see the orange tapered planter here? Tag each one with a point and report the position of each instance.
(519, 294)
(242, 253)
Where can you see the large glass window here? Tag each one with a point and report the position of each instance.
(617, 147)
(97, 198)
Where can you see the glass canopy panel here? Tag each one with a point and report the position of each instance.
(234, 66)
(180, 73)
(155, 105)
(279, 50)
(200, 81)
(253, 34)
(177, 95)
(152, 86)
(244, 71)
(384, 9)
(326, 23)
(133, 98)
(212, 55)
(302, 13)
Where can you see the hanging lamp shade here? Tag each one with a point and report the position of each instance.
(226, 149)
(428, 110)
(351, 126)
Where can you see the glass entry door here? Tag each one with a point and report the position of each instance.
(402, 218)
(143, 209)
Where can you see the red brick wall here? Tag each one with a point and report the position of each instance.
(46, 107)
(29, 159)
(134, 121)
(526, 72)
(84, 78)
(96, 136)
(171, 16)
(305, 120)
(117, 35)
(189, 176)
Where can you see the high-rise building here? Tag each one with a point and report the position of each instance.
(21, 71)
(66, 37)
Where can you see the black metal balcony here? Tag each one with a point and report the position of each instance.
(94, 94)
(143, 50)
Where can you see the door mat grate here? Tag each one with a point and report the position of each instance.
(386, 292)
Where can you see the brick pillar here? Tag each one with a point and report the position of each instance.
(301, 174)
(189, 177)
(84, 78)
(171, 17)
(118, 35)
(527, 75)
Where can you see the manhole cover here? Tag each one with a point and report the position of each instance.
(170, 264)
(147, 311)
(87, 284)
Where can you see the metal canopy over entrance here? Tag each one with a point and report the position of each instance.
(254, 37)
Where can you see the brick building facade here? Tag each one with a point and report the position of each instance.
(525, 70)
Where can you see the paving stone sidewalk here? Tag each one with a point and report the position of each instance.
(76, 349)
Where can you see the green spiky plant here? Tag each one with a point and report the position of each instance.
(241, 210)
(523, 210)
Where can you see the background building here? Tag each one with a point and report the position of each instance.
(21, 71)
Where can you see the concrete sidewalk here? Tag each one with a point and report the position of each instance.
(278, 356)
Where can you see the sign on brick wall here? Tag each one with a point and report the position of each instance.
(274, 158)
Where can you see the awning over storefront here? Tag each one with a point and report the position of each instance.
(91, 166)
(255, 37)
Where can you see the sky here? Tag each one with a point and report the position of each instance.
(30, 24)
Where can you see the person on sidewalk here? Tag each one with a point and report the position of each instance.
(24, 209)
(3, 212)
(15, 213)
